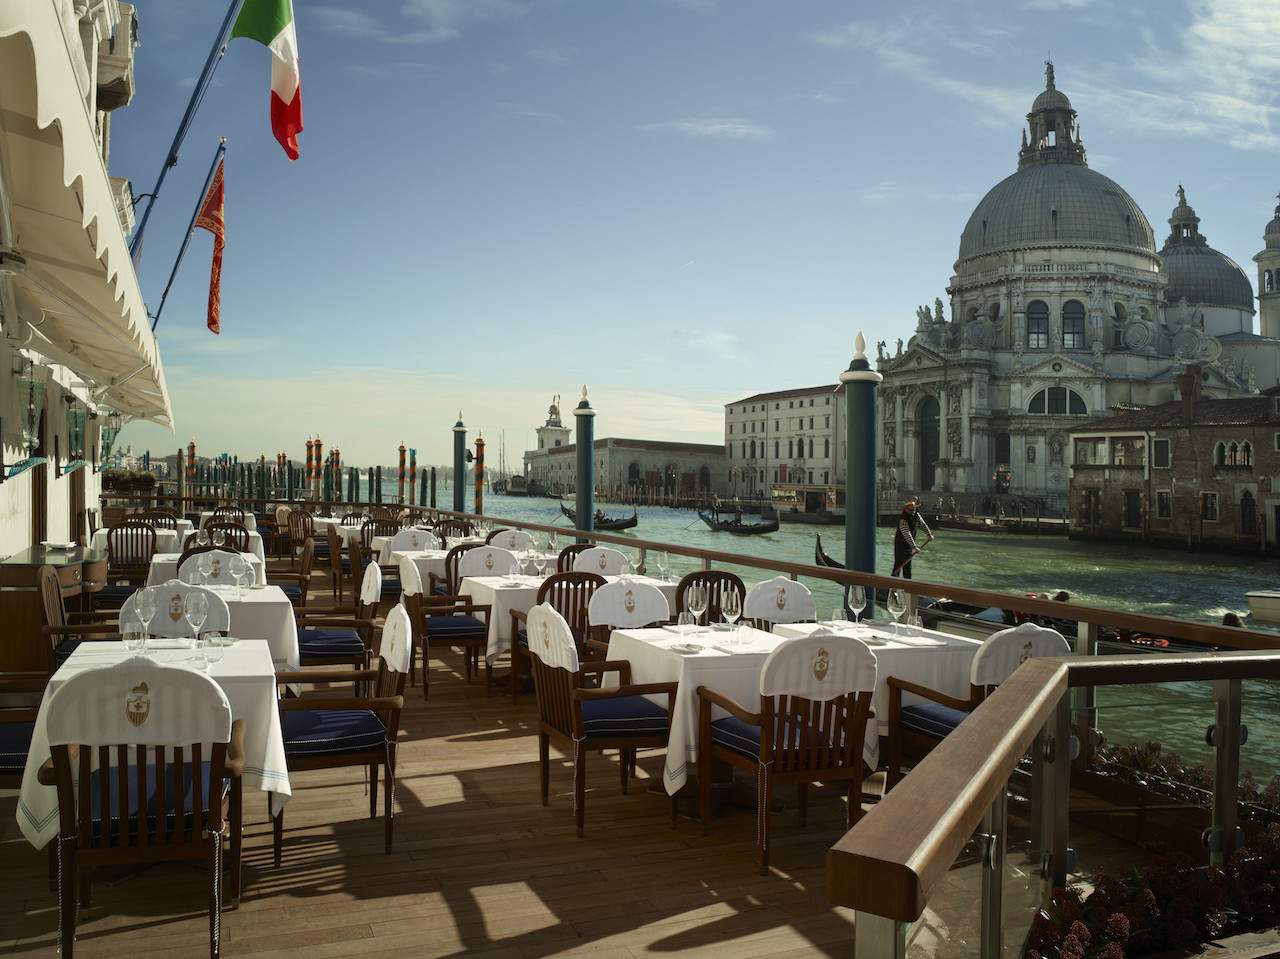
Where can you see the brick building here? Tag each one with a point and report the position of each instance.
(1195, 471)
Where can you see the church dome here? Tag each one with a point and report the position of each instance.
(1196, 271)
(1056, 204)
(1272, 232)
(1055, 200)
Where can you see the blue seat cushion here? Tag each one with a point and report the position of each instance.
(440, 589)
(932, 719)
(322, 732)
(330, 642)
(15, 741)
(623, 716)
(114, 595)
(522, 637)
(735, 735)
(445, 628)
(293, 591)
(390, 589)
(113, 813)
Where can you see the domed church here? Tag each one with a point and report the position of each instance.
(1061, 308)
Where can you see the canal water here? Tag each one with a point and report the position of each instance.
(1134, 578)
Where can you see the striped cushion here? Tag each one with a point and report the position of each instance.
(320, 732)
(455, 627)
(735, 735)
(338, 643)
(15, 740)
(932, 719)
(623, 716)
(113, 596)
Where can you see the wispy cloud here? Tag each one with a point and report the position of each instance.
(711, 128)
(554, 56)
(521, 110)
(1055, 4)
(424, 21)
(892, 191)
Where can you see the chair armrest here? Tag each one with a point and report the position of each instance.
(599, 667)
(903, 686)
(374, 704)
(81, 629)
(640, 689)
(431, 599)
(461, 608)
(305, 617)
(98, 615)
(292, 577)
(598, 646)
(519, 615)
(23, 682)
(728, 705)
(46, 776)
(326, 675)
(235, 750)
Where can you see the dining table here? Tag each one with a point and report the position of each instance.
(167, 540)
(246, 673)
(507, 594)
(729, 661)
(164, 567)
(265, 613)
(250, 521)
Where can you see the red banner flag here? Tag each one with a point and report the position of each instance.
(211, 218)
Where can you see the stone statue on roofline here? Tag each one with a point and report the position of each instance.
(899, 353)
(880, 354)
(938, 315)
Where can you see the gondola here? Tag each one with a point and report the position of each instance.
(737, 526)
(602, 522)
(975, 622)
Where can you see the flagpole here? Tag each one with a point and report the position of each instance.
(191, 228)
(184, 126)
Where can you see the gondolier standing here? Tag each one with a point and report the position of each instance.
(905, 544)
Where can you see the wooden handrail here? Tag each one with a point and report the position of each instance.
(889, 863)
(1204, 634)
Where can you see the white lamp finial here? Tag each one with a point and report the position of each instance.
(584, 391)
(860, 347)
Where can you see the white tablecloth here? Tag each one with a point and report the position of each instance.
(164, 567)
(381, 546)
(265, 613)
(167, 540)
(347, 534)
(250, 521)
(942, 664)
(246, 674)
(496, 591)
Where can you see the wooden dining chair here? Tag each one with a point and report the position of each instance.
(339, 564)
(296, 584)
(233, 514)
(569, 594)
(20, 694)
(339, 634)
(64, 631)
(236, 535)
(338, 732)
(130, 549)
(353, 519)
(448, 584)
(716, 582)
(623, 605)
(375, 527)
(91, 515)
(446, 528)
(454, 620)
(302, 529)
(915, 728)
(161, 518)
(809, 727)
(579, 718)
(779, 600)
(602, 560)
(170, 621)
(564, 562)
(283, 543)
(126, 797)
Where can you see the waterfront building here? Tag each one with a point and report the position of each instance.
(1061, 308)
(782, 443)
(1193, 471)
(78, 356)
(631, 469)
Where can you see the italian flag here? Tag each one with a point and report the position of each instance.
(270, 22)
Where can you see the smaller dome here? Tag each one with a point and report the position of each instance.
(1204, 277)
(1051, 99)
(1273, 228)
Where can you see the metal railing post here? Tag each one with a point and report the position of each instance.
(994, 825)
(876, 937)
(1056, 858)
(1086, 644)
(1225, 735)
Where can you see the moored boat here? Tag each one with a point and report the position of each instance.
(603, 522)
(1264, 605)
(736, 525)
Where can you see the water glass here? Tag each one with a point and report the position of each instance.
(213, 650)
(686, 618)
(200, 659)
(132, 639)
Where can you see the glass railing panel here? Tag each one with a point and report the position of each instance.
(1259, 756)
(951, 925)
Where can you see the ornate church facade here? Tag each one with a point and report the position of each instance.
(1061, 310)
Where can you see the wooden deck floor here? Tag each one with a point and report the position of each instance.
(479, 868)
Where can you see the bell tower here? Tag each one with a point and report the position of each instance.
(1269, 278)
(553, 432)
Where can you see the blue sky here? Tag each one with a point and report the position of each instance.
(678, 202)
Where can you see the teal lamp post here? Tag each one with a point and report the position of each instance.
(860, 511)
(459, 465)
(586, 449)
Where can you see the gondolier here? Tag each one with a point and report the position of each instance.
(905, 542)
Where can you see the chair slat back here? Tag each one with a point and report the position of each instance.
(451, 560)
(564, 562)
(335, 552)
(55, 610)
(376, 527)
(233, 514)
(569, 594)
(301, 525)
(716, 581)
(452, 527)
(352, 519)
(131, 545)
(815, 694)
(236, 534)
(160, 518)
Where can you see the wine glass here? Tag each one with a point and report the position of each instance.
(896, 604)
(145, 606)
(206, 566)
(238, 569)
(540, 564)
(660, 563)
(855, 600)
(731, 610)
(696, 600)
(196, 610)
(219, 538)
(202, 537)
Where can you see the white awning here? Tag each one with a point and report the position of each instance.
(67, 262)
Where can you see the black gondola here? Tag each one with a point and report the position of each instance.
(737, 526)
(602, 522)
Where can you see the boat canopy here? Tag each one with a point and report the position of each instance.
(64, 262)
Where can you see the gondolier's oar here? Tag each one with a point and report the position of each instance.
(897, 570)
